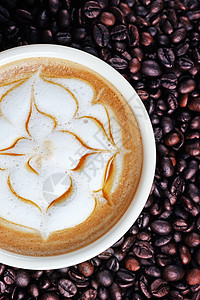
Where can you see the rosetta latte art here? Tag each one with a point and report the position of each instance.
(49, 126)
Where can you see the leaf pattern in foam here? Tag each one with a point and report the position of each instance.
(85, 94)
(16, 211)
(8, 134)
(18, 100)
(49, 98)
(67, 210)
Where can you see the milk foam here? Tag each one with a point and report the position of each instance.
(51, 126)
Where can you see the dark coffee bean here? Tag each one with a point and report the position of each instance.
(173, 273)
(183, 100)
(144, 286)
(163, 260)
(125, 275)
(167, 124)
(118, 63)
(146, 39)
(89, 295)
(172, 101)
(166, 57)
(64, 18)
(113, 264)
(194, 105)
(163, 240)
(50, 296)
(106, 254)
(53, 6)
(167, 168)
(118, 14)
(101, 35)
(171, 139)
(151, 68)
(169, 248)
(193, 276)
(153, 271)
(63, 38)
(187, 86)
(161, 227)
(2, 287)
(180, 225)
(4, 14)
(134, 65)
(181, 50)
(22, 278)
(107, 18)
(144, 236)
(86, 268)
(119, 254)
(9, 276)
(179, 35)
(91, 9)
(132, 264)
(66, 288)
(169, 81)
(104, 278)
(178, 186)
(33, 290)
(166, 26)
(193, 190)
(115, 291)
(195, 123)
(143, 250)
(192, 239)
(159, 288)
(185, 63)
(47, 36)
(119, 33)
(185, 254)
(103, 293)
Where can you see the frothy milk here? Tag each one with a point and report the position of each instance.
(62, 152)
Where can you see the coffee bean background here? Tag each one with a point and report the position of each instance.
(155, 45)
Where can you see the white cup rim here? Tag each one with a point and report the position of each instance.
(149, 157)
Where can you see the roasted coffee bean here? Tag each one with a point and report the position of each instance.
(119, 33)
(91, 9)
(63, 38)
(86, 268)
(195, 123)
(22, 278)
(185, 254)
(4, 14)
(192, 239)
(179, 35)
(144, 286)
(115, 291)
(124, 275)
(134, 65)
(33, 290)
(64, 18)
(194, 105)
(9, 276)
(132, 264)
(193, 276)
(153, 271)
(151, 68)
(101, 35)
(167, 168)
(166, 56)
(159, 288)
(118, 14)
(107, 18)
(169, 81)
(118, 63)
(113, 264)
(146, 39)
(161, 227)
(66, 288)
(103, 293)
(50, 296)
(143, 250)
(89, 295)
(173, 273)
(187, 86)
(104, 278)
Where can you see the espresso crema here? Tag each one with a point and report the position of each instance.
(70, 156)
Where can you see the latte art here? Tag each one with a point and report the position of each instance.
(65, 156)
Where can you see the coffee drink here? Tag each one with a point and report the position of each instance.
(70, 156)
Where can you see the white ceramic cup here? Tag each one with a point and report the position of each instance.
(149, 157)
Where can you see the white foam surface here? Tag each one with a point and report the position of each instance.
(52, 124)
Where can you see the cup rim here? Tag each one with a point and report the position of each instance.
(149, 157)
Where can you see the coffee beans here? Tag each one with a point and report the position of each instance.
(151, 68)
(66, 288)
(159, 288)
(173, 273)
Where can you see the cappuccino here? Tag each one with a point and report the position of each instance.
(70, 156)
